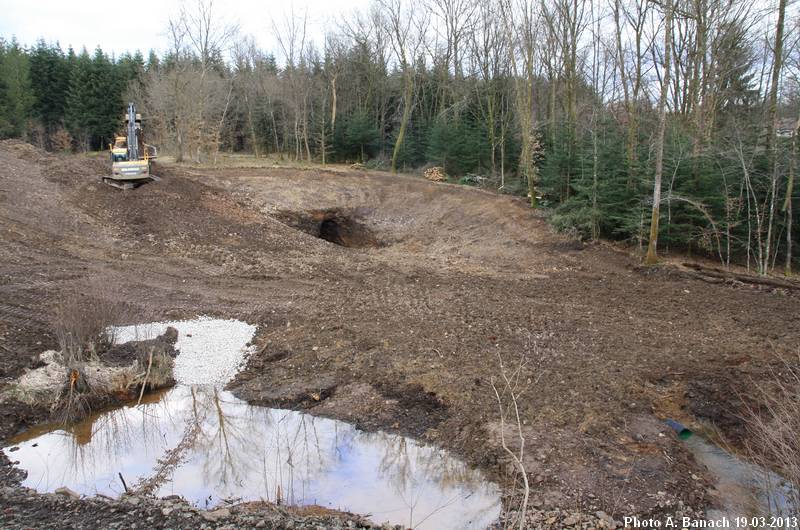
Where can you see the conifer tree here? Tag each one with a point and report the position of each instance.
(15, 77)
(77, 113)
(49, 77)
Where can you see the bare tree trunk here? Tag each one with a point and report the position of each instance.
(777, 64)
(278, 148)
(631, 83)
(787, 205)
(772, 123)
(595, 164)
(521, 28)
(407, 32)
(697, 87)
(408, 93)
(252, 127)
(323, 146)
(305, 128)
(333, 105)
(221, 123)
(652, 255)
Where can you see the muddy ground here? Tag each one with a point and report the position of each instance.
(390, 302)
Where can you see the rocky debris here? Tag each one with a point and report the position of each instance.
(24, 150)
(549, 510)
(606, 520)
(22, 508)
(216, 515)
(436, 174)
(554, 517)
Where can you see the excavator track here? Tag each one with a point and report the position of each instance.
(129, 184)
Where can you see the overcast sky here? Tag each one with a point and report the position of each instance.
(87, 23)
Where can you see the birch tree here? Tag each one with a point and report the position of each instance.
(652, 257)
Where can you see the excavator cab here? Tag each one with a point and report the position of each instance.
(119, 151)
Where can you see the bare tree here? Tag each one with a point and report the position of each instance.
(521, 22)
(652, 257)
(631, 79)
(565, 22)
(772, 124)
(458, 18)
(406, 28)
(292, 41)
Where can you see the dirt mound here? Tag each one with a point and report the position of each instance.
(23, 150)
(444, 225)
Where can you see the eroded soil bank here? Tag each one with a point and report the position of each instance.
(408, 334)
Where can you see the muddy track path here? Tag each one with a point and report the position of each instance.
(397, 317)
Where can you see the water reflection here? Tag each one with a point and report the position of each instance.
(743, 489)
(204, 444)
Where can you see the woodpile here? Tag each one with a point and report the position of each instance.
(435, 174)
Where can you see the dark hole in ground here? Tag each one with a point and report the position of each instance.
(346, 232)
(331, 230)
(340, 227)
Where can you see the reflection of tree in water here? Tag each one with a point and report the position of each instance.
(209, 441)
(294, 455)
(412, 469)
(94, 445)
(233, 436)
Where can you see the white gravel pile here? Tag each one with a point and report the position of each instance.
(211, 351)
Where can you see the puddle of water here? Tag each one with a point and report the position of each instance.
(206, 445)
(202, 443)
(742, 489)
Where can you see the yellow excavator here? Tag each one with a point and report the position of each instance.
(131, 158)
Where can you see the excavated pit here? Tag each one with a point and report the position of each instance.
(341, 227)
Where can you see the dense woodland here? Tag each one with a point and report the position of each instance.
(611, 113)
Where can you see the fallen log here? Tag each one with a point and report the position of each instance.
(714, 272)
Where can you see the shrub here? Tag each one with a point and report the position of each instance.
(80, 323)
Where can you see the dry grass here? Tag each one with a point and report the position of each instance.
(76, 399)
(83, 323)
(155, 364)
(80, 321)
(773, 439)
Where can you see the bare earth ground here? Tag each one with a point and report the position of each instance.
(405, 331)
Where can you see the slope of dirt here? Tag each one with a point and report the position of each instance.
(406, 333)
